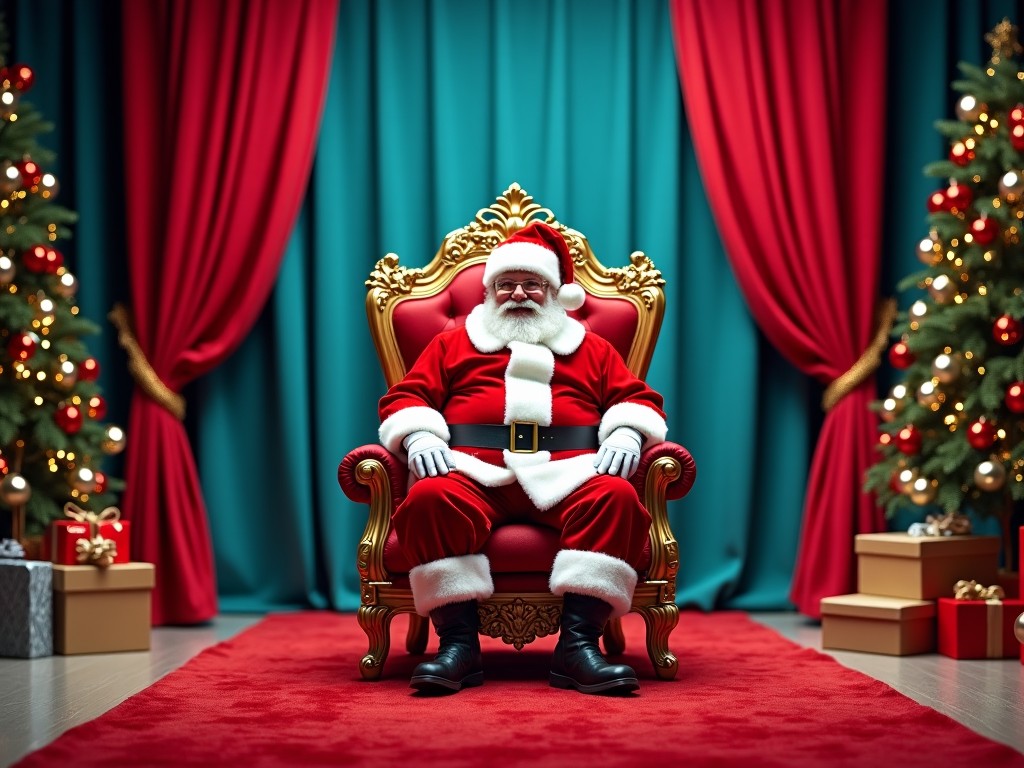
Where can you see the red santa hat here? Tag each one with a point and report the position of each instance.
(539, 249)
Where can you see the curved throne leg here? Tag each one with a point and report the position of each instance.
(416, 637)
(661, 619)
(375, 621)
(614, 639)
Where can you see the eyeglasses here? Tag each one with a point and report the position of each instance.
(508, 287)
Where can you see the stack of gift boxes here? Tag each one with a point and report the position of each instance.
(86, 596)
(920, 594)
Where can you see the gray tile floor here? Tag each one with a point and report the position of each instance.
(42, 698)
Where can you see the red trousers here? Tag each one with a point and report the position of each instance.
(452, 515)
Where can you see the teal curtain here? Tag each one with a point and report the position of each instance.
(434, 109)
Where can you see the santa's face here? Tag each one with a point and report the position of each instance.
(518, 306)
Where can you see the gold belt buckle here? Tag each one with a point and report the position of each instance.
(513, 428)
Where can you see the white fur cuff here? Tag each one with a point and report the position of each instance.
(400, 424)
(595, 574)
(644, 419)
(450, 580)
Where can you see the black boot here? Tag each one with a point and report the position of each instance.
(578, 662)
(457, 664)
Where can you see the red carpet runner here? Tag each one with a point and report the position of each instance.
(287, 693)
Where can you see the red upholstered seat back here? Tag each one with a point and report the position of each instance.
(418, 320)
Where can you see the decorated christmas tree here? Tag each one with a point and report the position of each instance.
(52, 438)
(953, 428)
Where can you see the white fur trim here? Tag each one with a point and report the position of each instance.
(595, 574)
(523, 257)
(644, 419)
(548, 483)
(486, 474)
(571, 296)
(450, 580)
(565, 342)
(481, 339)
(568, 339)
(400, 424)
(528, 383)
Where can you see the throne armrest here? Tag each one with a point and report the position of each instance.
(670, 463)
(355, 480)
(666, 472)
(372, 475)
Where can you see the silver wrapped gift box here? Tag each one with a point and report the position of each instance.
(26, 607)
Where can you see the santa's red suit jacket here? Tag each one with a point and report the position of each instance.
(469, 376)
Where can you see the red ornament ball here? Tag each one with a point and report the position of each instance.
(908, 440)
(985, 230)
(937, 201)
(20, 76)
(900, 355)
(89, 369)
(22, 346)
(101, 482)
(96, 407)
(1017, 136)
(68, 417)
(1015, 397)
(31, 173)
(958, 197)
(35, 259)
(1017, 115)
(1006, 330)
(981, 434)
(962, 152)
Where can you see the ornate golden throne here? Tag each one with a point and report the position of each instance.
(407, 307)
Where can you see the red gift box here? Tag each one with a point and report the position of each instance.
(978, 629)
(61, 541)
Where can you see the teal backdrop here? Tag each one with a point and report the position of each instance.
(433, 110)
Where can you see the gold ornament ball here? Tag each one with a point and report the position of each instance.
(942, 288)
(946, 368)
(10, 178)
(82, 479)
(968, 108)
(929, 251)
(1011, 186)
(1018, 628)
(990, 475)
(918, 310)
(114, 440)
(928, 394)
(922, 490)
(7, 270)
(15, 490)
(905, 480)
(67, 285)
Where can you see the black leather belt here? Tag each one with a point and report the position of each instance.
(523, 437)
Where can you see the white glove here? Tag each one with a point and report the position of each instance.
(620, 453)
(428, 454)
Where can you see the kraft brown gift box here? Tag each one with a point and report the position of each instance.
(895, 626)
(102, 610)
(922, 567)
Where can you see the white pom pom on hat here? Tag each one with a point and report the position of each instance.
(539, 249)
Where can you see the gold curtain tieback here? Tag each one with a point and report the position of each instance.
(867, 363)
(140, 368)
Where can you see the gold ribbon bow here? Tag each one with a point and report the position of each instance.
(96, 551)
(92, 519)
(972, 590)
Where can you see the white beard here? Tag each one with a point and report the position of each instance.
(544, 322)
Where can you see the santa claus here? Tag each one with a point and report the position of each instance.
(522, 415)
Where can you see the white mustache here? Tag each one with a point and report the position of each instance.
(508, 306)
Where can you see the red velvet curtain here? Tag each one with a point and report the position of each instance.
(222, 108)
(786, 103)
